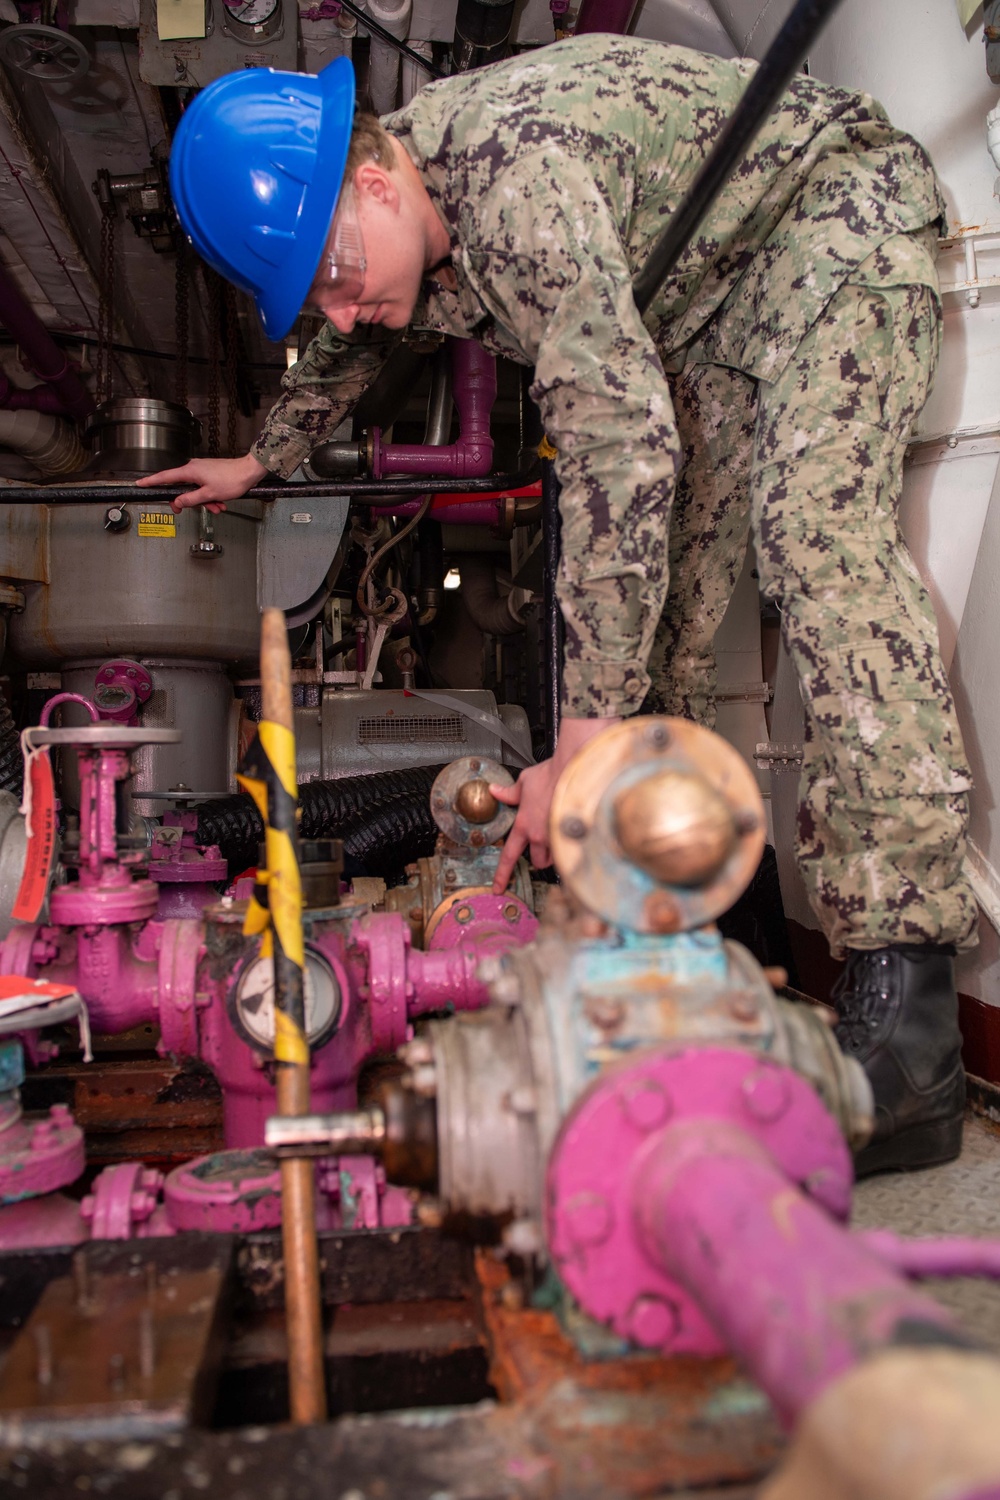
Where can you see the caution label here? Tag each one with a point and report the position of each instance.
(157, 523)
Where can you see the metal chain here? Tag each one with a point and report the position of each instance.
(214, 288)
(232, 372)
(106, 302)
(182, 324)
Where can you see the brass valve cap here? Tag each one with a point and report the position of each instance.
(476, 802)
(676, 827)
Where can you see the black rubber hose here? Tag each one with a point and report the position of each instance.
(384, 821)
(11, 760)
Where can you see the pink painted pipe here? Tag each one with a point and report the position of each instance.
(797, 1299)
(474, 388)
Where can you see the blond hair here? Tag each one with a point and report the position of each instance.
(369, 142)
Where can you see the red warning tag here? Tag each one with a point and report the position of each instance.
(40, 810)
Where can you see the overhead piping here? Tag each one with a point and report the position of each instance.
(48, 359)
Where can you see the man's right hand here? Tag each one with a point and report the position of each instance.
(218, 480)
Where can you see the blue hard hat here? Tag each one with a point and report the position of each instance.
(255, 171)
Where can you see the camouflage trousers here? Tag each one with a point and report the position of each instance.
(812, 463)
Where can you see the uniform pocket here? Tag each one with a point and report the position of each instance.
(884, 713)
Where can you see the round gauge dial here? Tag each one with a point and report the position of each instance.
(252, 1001)
(251, 12)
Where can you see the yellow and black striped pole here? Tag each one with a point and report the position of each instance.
(269, 776)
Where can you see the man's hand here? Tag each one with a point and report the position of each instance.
(218, 480)
(532, 796)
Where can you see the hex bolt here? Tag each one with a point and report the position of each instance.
(653, 1322)
(506, 989)
(475, 767)
(477, 838)
(646, 1104)
(43, 1344)
(766, 1094)
(607, 1014)
(573, 828)
(743, 1006)
(663, 913)
(589, 1219)
(147, 1343)
(659, 736)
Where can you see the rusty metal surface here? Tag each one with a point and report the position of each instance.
(364, 1266)
(128, 1344)
(158, 1109)
(639, 1425)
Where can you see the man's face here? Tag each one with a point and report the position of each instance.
(376, 217)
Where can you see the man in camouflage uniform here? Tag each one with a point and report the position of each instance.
(772, 382)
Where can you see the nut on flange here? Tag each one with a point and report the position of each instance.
(657, 825)
(676, 827)
(464, 808)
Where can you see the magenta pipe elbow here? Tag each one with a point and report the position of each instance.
(27, 329)
(443, 979)
(474, 384)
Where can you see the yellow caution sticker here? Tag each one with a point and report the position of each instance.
(157, 523)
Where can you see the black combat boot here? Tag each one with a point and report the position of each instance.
(898, 1010)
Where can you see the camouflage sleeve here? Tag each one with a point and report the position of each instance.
(553, 269)
(319, 391)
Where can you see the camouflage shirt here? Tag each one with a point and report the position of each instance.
(555, 172)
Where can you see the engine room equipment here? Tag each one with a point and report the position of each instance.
(132, 435)
(123, 936)
(631, 965)
(251, 34)
(639, 1108)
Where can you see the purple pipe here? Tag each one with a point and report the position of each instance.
(23, 324)
(474, 390)
(472, 513)
(43, 398)
(793, 1296)
(604, 15)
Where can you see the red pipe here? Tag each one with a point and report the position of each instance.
(49, 360)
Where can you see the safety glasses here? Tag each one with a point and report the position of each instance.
(340, 276)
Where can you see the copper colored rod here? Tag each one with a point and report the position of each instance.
(303, 1307)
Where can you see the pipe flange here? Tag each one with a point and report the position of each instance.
(604, 1143)
(463, 807)
(105, 737)
(657, 825)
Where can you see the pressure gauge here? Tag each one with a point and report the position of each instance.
(253, 21)
(251, 1001)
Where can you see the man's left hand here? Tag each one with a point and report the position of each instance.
(532, 796)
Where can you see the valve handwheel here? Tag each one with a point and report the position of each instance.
(43, 52)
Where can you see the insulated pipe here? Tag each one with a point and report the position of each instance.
(762, 92)
(474, 390)
(413, 75)
(50, 443)
(490, 613)
(48, 359)
(383, 73)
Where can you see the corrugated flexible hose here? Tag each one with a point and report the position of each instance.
(384, 821)
(11, 760)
